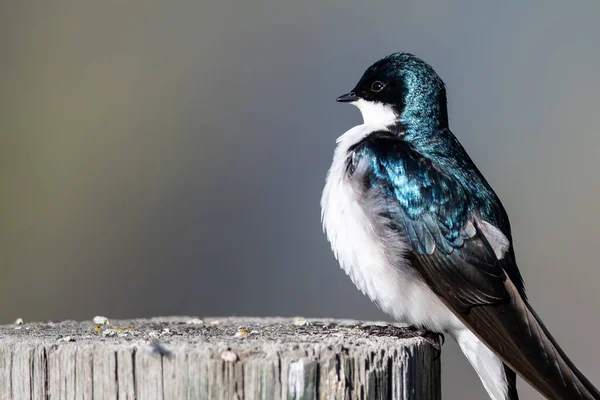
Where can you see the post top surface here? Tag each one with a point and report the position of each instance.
(222, 331)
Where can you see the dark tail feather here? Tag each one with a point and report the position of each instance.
(577, 376)
(511, 380)
(517, 335)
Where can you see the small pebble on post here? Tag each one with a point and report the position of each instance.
(218, 358)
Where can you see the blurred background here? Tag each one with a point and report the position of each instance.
(167, 158)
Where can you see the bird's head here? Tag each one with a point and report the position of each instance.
(400, 88)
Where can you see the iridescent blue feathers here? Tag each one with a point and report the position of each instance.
(433, 193)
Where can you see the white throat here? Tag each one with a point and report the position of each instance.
(375, 112)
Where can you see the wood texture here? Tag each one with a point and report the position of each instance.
(218, 358)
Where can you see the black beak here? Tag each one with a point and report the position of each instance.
(347, 98)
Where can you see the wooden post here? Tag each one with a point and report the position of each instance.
(218, 358)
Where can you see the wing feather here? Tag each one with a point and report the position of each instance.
(460, 238)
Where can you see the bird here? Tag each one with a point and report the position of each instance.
(419, 230)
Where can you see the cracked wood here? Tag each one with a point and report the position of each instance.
(218, 358)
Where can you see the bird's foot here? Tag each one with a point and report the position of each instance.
(435, 339)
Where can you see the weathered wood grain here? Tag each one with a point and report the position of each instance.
(218, 358)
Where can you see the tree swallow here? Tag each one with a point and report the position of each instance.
(420, 231)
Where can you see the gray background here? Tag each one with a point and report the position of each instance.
(168, 157)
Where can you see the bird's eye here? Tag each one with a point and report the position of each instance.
(377, 86)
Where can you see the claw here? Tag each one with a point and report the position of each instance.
(435, 339)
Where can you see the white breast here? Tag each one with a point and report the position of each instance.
(372, 254)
